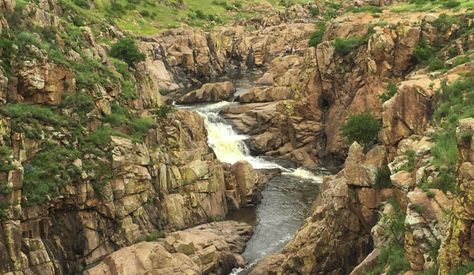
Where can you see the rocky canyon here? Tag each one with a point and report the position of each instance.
(236, 137)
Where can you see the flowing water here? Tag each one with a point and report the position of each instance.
(286, 198)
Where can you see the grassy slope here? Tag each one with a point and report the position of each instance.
(149, 17)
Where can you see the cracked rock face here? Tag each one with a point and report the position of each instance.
(207, 249)
(458, 247)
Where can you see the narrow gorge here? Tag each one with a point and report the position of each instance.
(236, 137)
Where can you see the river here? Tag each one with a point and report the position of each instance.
(286, 198)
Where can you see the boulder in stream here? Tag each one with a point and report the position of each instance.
(209, 92)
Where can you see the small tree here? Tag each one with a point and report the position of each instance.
(127, 51)
(363, 128)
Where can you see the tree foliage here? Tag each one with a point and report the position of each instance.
(363, 128)
(127, 50)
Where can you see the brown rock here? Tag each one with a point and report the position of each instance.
(206, 249)
(210, 92)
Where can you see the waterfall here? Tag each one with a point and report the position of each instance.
(228, 145)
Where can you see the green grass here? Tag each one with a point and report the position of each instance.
(463, 269)
(391, 91)
(152, 236)
(6, 159)
(317, 36)
(455, 102)
(346, 46)
(149, 17)
(429, 5)
(367, 8)
(48, 173)
(436, 64)
(392, 258)
(417, 208)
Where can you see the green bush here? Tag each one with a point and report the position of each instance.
(345, 46)
(367, 8)
(6, 160)
(23, 113)
(410, 163)
(82, 3)
(391, 91)
(48, 173)
(132, 126)
(101, 138)
(418, 208)
(315, 11)
(382, 178)
(317, 36)
(461, 60)
(436, 64)
(462, 269)
(127, 51)
(81, 103)
(3, 210)
(164, 111)
(423, 52)
(445, 21)
(363, 128)
(451, 4)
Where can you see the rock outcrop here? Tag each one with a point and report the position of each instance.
(458, 247)
(173, 185)
(207, 249)
(210, 92)
(244, 184)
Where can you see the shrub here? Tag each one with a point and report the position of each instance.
(81, 103)
(199, 14)
(462, 269)
(317, 36)
(22, 113)
(362, 128)
(451, 4)
(430, 194)
(423, 52)
(391, 91)
(82, 3)
(128, 90)
(444, 22)
(435, 64)
(163, 111)
(101, 137)
(367, 8)
(411, 158)
(461, 60)
(6, 160)
(392, 258)
(127, 51)
(418, 208)
(382, 178)
(345, 46)
(314, 11)
(49, 172)
(3, 210)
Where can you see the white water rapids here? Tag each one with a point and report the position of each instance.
(229, 146)
(286, 198)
